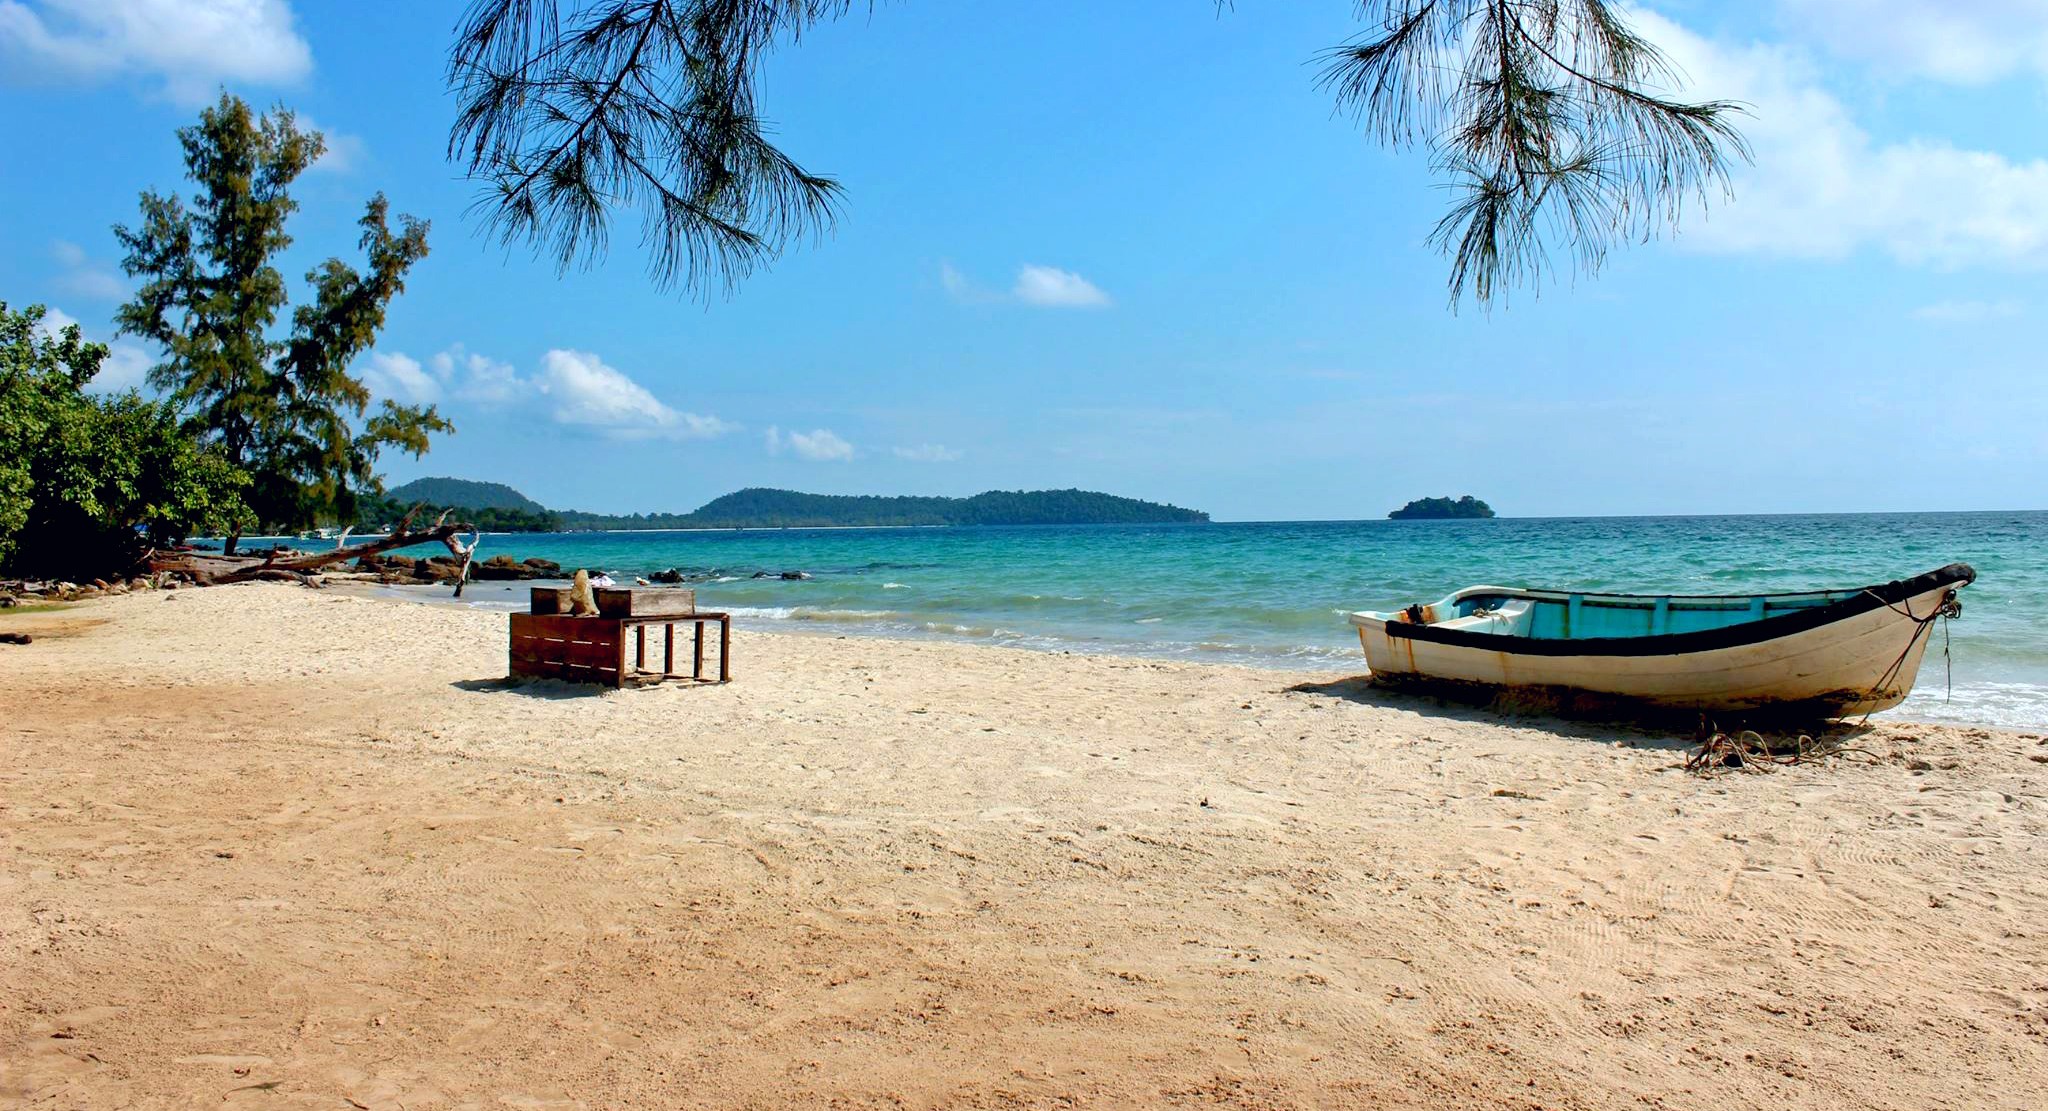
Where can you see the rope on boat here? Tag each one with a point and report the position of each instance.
(1747, 750)
(1950, 607)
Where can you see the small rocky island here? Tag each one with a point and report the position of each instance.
(1467, 508)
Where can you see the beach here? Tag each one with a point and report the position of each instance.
(268, 846)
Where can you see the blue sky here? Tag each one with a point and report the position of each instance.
(1129, 247)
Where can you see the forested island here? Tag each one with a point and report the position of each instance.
(496, 507)
(1443, 509)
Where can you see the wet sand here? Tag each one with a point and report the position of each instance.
(272, 847)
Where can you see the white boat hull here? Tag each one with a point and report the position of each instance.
(1859, 663)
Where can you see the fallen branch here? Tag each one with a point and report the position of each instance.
(212, 570)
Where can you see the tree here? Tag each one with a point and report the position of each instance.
(285, 408)
(88, 484)
(1547, 115)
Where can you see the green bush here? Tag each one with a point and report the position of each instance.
(88, 484)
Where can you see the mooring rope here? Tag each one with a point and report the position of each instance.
(1747, 749)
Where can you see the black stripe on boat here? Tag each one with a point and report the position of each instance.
(1704, 640)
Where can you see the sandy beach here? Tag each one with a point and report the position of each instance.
(274, 847)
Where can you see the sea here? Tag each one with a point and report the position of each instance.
(1275, 594)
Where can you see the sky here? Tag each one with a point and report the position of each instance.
(1133, 248)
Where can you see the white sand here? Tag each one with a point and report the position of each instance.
(270, 847)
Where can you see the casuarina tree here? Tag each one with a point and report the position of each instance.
(1552, 119)
(275, 396)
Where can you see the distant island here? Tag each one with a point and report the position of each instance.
(1466, 508)
(466, 494)
(496, 507)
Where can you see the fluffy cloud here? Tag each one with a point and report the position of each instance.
(574, 388)
(1967, 312)
(344, 152)
(125, 367)
(85, 277)
(190, 46)
(926, 453)
(1044, 286)
(1056, 288)
(581, 390)
(474, 377)
(819, 445)
(1967, 42)
(400, 378)
(1822, 187)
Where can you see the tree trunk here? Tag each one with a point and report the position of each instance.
(228, 546)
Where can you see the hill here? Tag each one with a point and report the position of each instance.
(1443, 509)
(464, 494)
(758, 507)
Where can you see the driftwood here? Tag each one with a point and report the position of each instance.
(212, 570)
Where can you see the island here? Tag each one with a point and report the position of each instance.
(496, 507)
(1467, 508)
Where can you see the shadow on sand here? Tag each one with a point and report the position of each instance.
(1568, 714)
(553, 690)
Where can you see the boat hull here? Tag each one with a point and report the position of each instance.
(1861, 659)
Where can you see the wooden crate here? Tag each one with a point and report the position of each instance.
(577, 649)
(645, 602)
(550, 599)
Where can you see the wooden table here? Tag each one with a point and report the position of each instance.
(668, 622)
(593, 649)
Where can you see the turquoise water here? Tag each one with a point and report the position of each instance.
(1276, 594)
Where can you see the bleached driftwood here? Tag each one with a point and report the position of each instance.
(213, 570)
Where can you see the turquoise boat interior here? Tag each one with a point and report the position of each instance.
(1547, 615)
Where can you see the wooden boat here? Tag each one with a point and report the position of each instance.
(1820, 654)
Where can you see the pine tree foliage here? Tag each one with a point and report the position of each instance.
(280, 403)
(1550, 117)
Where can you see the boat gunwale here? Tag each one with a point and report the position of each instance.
(1677, 644)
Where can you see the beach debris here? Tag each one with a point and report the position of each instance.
(286, 565)
(582, 602)
(1748, 750)
(1510, 793)
(15, 638)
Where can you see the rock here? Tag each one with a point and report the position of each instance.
(670, 576)
(503, 567)
(139, 584)
(7, 600)
(15, 638)
(544, 568)
(795, 576)
(760, 574)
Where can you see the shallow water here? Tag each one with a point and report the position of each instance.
(1277, 593)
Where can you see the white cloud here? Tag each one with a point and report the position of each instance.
(583, 391)
(1056, 288)
(190, 46)
(1965, 42)
(84, 276)
(398, 377)
(1967, 312)
(926, 453)
(1044, 286)
(126, 365)
(819, 445)
(344, 151)
(474, 377)
(1822, 187)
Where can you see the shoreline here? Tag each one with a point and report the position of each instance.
(1345, 659)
